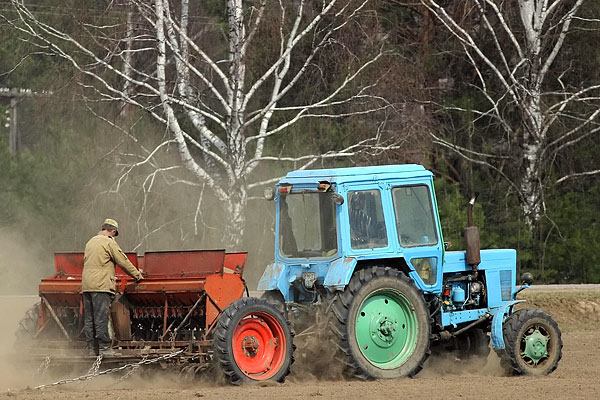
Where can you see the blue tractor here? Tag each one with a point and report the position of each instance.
(359, 254)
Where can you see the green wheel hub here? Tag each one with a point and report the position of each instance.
(386, 328)
(534, 345)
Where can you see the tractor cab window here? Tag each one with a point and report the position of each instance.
(414, 216)
(367, 225)
(307, 225)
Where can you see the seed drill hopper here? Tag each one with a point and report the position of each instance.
(189, 301)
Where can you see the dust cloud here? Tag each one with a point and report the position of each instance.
(13, 309)
(449, 364)
(315, 367)
(315, 360)
(22, 264)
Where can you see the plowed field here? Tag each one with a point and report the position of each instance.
(577, 377)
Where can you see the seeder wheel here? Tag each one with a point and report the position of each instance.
(28, 325)
(253, 342)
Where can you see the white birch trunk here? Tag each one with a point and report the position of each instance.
(520, 70)
(216, 118)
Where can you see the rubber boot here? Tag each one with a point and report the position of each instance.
(108, 352)
(93, 349)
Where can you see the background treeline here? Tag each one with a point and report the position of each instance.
(55, 192)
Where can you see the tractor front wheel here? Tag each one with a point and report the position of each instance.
(381, 325)
(533, 343)
(253, 342)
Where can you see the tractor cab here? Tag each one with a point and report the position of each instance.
(328, 221)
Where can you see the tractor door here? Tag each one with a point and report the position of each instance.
(417, 232)
(367, 232)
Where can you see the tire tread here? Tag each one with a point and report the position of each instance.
(511, 328)
(223, 333)
(340, 310)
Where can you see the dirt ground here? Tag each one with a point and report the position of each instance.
(577, 312)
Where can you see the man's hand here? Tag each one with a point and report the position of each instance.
(138, 280)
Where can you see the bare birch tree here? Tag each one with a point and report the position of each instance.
(220, 116)
(534, 111)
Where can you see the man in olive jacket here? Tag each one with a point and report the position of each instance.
(98, 284)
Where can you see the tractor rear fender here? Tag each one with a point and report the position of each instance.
(280, 276)
(341, 270)
(497, 336)
(339, 273)
(273, 274)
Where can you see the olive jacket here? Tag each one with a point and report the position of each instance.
(101, 254)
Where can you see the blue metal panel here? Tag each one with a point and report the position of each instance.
(493, 263)
(281, 276)
(408, 253)
(275, 277)
(454, 261)
(339, 273)
(497, 336)
(271, 276)
(357, 174)
(457, 317)
(494, 293)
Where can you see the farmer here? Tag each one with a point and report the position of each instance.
(98, 284)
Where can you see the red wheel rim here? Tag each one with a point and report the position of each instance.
(259, 345)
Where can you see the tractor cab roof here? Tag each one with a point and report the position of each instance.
(356, 174)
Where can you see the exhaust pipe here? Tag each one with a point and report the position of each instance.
(471, 235)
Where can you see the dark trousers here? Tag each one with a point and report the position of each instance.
(96, 309)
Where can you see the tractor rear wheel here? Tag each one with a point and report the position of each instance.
(381, 325)
(253, 342)
(533, 343)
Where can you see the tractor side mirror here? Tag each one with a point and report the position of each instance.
(338, 199)
(269, 193)
(527, 278)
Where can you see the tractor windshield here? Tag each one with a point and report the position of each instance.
(307, 225)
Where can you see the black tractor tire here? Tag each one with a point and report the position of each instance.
(276, 298)
(364, 284)
(242, 356)
(530, 324)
